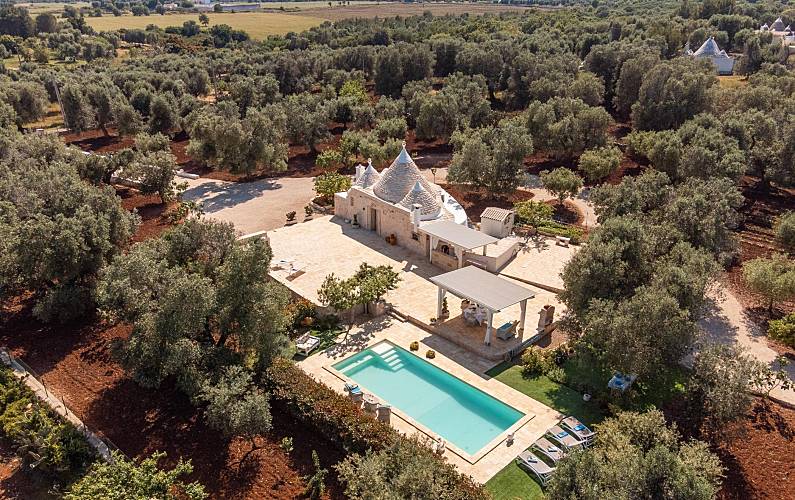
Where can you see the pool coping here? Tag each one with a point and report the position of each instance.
(470, 458)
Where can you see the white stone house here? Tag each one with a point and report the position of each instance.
(408, 210)
(780, 32)
(709, 50)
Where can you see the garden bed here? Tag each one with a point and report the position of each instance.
(75, 361)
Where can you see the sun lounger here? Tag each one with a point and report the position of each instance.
(527, 460)
(579, 429)
(559, 435)
(547, 448)
(306, 344)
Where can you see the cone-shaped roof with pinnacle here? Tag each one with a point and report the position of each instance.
(369, 177)
(397, 180)
(430, 206)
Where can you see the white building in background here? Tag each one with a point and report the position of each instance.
(709, 50)
(780, 32)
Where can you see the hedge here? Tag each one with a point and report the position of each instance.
(338, 419)
(40, 435)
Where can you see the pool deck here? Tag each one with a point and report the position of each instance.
(326, 245)
(457, 361)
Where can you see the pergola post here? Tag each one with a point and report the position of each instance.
(439, 302)
(489, 317)
(523, 306)
(484, 250)
(460, 253)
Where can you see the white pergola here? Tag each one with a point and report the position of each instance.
(460, 237)
(482, 287)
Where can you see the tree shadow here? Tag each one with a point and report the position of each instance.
(216, 196)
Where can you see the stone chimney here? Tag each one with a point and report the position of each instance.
(415, 216)
(359, 170)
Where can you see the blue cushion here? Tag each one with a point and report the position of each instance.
(505, 326)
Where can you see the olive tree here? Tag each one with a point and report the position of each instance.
(561, 182)
(599, 163)
(773, 278)
(491, 157)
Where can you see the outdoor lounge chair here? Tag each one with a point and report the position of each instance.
(527, 460)
(547, 448)
(569, 441)
(579, 429)
(306, 343)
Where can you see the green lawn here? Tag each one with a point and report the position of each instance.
(513, 482)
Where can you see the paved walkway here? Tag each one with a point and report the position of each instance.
(253, 206)
(725, 322)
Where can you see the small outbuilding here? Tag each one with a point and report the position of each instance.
(497, 222)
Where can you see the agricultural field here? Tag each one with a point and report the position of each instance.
(258, 25)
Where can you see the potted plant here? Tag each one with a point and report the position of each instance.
(445, 310)
(308, 211)
(430, 354)
(290, 217)
(414, 346)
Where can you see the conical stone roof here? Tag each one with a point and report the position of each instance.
(778, 25)
(397, 180)
(708, 48)
(419, 196)
(369, 177)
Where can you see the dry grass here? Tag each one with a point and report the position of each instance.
(257, 24)
(733, 81)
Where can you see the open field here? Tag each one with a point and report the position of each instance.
(308, 14)
(42, 7)
(257, 24)
(392, 9)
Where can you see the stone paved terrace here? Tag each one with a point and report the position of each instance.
(325, 245)
(540, 261)
(456, 361)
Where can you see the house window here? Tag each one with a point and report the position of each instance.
(415, 236)
(445, 250)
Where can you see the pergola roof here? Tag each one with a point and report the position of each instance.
(481, 286)
(458, 234)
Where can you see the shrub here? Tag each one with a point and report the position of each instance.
(341, 421)
(536, 361)
(326, 185)
(533, 213)
(332, 414)
(785, 229)
(783, 330)
(639, 143)
(597, 164)
(39, 434)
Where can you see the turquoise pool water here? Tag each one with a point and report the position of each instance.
(462, 414)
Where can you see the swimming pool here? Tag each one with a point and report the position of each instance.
(462, 414)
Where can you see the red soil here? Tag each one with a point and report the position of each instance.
(759, 455)
(15, 484)
(476, 200)
(153, 212)
(75, 362)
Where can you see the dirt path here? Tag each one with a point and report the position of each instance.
(726, 322)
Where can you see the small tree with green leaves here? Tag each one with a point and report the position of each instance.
(339, 294)
(773, 278)
(533, 213)
(785, 229)
(561, 182)
(598, 163)
(783, 329)
(235, 406)
(719, 390)
(328, 159)
(204, 19)
(316, 483)
(122, 478)
(326, 185)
